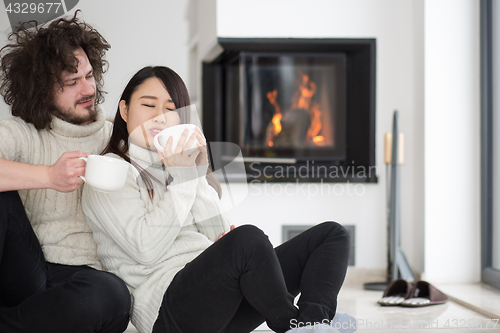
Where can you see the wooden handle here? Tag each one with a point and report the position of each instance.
(388, 148)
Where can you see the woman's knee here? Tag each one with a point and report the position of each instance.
(248, 240)
(249, 235)
(336, 230)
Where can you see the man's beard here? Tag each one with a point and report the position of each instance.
(70, 116)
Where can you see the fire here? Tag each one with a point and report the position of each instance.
(276, 121)
(301, 99)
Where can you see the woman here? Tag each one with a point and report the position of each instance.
(162, 234)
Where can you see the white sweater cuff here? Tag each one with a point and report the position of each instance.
(202, 170)
(182, 174)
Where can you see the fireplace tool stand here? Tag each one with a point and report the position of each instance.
(397, 265)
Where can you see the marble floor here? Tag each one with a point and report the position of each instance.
(450, 317)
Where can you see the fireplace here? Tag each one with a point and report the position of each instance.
(299, 109)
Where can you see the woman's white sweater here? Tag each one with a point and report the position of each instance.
(146, 242)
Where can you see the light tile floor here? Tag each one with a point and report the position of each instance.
(450, 317)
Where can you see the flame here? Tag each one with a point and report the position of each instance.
(301, 99)
(318, 139)
(276, 121)
(315, 128)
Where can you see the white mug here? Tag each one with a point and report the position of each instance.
(160, 140)
(105, 174)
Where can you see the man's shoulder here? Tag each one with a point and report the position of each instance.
(16, 124)
(17, 139)
(15, 121)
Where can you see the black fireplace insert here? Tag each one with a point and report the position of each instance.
(299, 109)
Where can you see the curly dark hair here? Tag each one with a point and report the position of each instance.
(32, 62)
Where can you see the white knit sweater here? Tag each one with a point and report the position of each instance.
(57, 218)
(143, 241)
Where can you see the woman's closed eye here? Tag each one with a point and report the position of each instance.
(149, 106)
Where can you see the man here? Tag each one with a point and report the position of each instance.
(49, 270)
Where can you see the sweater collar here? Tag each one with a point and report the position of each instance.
(143, 156)
(64, 128)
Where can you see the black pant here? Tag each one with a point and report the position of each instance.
(36, 296)
(240, 281)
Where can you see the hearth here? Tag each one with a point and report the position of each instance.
(299, 109)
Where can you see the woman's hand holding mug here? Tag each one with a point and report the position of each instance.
(202, 158)
(183, 155)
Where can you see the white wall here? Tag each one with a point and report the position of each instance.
(391, 22)
(202, 17)
(452, 145)
(140, 33)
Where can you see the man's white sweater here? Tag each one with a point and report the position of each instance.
(146, 242)
(57, 218)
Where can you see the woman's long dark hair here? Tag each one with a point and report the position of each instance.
(119, 143)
